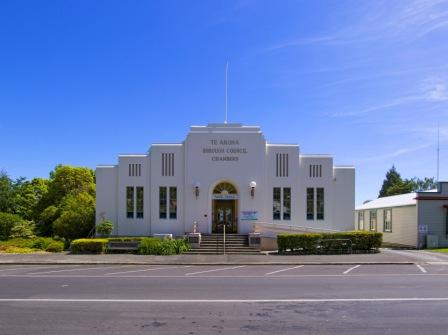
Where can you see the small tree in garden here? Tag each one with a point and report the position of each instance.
(104, 228)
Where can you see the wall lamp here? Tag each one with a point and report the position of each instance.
(252, 188)
(196, 189)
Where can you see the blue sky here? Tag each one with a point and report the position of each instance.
(366, 81)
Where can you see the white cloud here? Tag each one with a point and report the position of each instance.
(396, 153)
(435, 89)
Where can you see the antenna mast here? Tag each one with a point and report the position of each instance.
(438, 150)
(227, 67)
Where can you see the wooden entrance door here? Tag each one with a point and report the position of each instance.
(224, 213)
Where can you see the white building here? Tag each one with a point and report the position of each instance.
(416, 220)
(224, 174)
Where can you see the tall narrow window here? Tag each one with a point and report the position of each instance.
(320, 207)
(361, 220)
(372, 221)
(287, 203)
(310, 203)
(139, 202)
(173, 202)
(130, 202)
(388, 220)
(276, 209)
(162, 202)
(281, 165)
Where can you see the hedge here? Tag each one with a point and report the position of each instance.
(89, 246)
(314, 243)
(147, 245)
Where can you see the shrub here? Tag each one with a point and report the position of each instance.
(7, 223)
(23, 229)
(155, 246)
(150, 246)
(28, 245)
(321, 242)
(55, 246)
(89, 246)
(104, 228)
(77, 218)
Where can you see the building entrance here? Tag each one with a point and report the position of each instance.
(224, 213)
(224, 208)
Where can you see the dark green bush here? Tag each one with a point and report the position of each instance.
(89, 246)
(326, 242)
(55, 246)
(7, 223)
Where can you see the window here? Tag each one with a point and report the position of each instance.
(162, 202)
(276, 206)
(372, 221)
(135, 170)
(139, 202)
(388, 220)
(360, 220)
(167, 164)
(281, 165)
(315, 170)
(310, 203)
(173, 202)
(286, 203)
(320, 208)
(130, 202)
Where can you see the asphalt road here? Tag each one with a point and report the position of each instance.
(309, 299)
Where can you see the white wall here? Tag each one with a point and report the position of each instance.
(256, 162)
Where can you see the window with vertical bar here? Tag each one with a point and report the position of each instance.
(130, 202)
(140, 202)
(286, 203)
(276, 208)
(310, 203)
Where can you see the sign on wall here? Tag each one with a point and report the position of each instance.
(249, 215)
(423, 228)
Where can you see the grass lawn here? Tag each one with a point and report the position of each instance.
(440, 250)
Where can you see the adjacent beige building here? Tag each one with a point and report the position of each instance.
(417, 219)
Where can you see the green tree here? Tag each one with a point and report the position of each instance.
(391, 184)
(424, 184)
(28, 194)
(65, 183)
(77, 216)
(6, 193)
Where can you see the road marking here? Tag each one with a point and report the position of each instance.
(438, 263)
(214, 270)
(285, 276)
(76, 269)
(282, 270)
(144, 270)
(226, 300)
(352, 268)
(422, 269)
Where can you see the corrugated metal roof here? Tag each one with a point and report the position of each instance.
(392, 201)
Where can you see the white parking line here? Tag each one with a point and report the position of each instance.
(144, 270)
(438, 263)
(213, 270)
(422, 269)
(282, 270)
(226, 300)
(76, 269)
(352, 268)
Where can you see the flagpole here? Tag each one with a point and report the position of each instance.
(225, 120)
